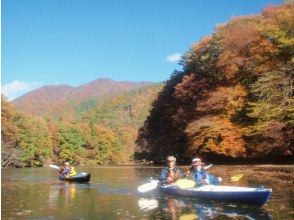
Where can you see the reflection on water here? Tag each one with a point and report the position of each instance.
(147, 204)
(65, 190)
(36, 193)
(175, 208)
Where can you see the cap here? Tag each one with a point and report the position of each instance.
(66, 164)
(197, 160)
(171, 158)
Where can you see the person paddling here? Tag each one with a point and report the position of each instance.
(198, 173)
(170, 173)
(64, 171)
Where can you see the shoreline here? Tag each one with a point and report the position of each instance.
(160, 166)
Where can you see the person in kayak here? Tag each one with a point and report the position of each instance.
(72, 171)
(170, 173)
(198, 173)
(64, 171)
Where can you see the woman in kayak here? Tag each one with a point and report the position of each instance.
(200, 175)
(170, 173)
(64, 171)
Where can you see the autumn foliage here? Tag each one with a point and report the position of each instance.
(105, 135)
(232, 100)
(234, 97)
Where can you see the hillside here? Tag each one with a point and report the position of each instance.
(67, 102)
(233, 100)
(42, 100)
(103, 133)
(125, 109)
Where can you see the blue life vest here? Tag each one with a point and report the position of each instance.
(200, 175)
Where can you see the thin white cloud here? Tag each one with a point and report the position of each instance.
(174, 58)
(17, 88)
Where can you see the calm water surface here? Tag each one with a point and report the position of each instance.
(36, 193)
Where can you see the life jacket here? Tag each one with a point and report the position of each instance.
(199, 175)
(72, 172)
(165, 173)
(63, 172)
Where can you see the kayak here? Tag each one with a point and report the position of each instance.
(256, 196)
(79, 178)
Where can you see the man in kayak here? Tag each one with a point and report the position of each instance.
(170, 173)
(64, 171)
(200, 175)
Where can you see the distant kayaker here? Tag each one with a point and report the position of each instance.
(170, 173)
(199, 174)
(72, 171)
(64, 171)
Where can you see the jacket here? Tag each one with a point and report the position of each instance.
(165, 173)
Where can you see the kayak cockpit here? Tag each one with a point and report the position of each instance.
(79, 178)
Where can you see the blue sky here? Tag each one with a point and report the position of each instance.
(76, 41)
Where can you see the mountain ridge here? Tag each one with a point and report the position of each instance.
(62, 100)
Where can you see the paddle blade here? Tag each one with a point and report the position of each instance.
(185, 184)
(148, 186)
(207, 167)
(237, 177)
(54, 167)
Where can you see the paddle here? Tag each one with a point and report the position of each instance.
(207, 167)
(54, 166)
(181, 183)
(236, 177)
(148, 186)
(187, 184)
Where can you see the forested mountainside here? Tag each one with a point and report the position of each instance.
(104, 134)
(42, 100)
(234, 97)
(67, 102)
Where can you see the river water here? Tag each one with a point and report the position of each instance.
(36, 193)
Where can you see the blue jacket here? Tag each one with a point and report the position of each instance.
(63, 172)
(200, 175)
(165, 171)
